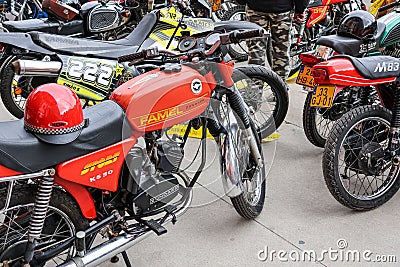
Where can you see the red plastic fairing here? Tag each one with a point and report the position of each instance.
(317, 14)
(100, 169)
(4, 172)
(342, 72)
(81, 195)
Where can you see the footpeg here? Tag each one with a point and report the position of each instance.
(155, 226)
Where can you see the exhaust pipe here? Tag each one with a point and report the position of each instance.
(36, 67)
(109, 249)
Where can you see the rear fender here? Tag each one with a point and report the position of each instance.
(81, 195)
(341, 72)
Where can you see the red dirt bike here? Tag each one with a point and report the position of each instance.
(361, 156)
(59, 197)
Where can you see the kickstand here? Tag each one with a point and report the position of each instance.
(126, 259)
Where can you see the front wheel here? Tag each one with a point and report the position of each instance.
(63, 220)
(357, 165)
(265, 93)
(15, 89)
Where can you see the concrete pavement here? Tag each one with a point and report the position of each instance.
(300, 216)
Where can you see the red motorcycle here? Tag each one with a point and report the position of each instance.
(322, 17)
(69, 176)
(361, 157)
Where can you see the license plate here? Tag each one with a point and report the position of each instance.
(323, 96)
(305, 78)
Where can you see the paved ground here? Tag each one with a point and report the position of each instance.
(299, 216)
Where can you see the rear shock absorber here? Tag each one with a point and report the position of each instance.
(38, 216)
(365, 95)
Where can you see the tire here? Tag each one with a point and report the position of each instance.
(238, 51)
(362, 134)
(14, 90)
(311, 115)
(244, 207)
(63, 216)
(259, 99)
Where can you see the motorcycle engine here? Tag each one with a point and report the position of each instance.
(151, 183)
(103, 18)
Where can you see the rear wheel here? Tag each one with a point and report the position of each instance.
(62, 221)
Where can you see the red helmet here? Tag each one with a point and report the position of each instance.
(53, 113)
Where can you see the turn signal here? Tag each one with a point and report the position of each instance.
(1, 48)
(320, 76)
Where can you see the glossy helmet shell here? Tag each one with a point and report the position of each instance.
(53, 113)
(358, 24)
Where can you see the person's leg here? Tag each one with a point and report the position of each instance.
(257, 47)
(280, 36)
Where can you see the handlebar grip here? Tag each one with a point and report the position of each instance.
(383, 8)
(237, 36)
(146, 53)
(131, 57)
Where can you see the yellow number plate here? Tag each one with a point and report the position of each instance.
(323, 96)
(305, 78)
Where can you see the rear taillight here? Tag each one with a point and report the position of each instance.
(310, 59)
(320, 76)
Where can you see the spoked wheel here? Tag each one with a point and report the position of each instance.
(250, 202)
(15, 89)
(266, 94)
(62, 221)
(317, 123)
(238, 51)
(357, 166)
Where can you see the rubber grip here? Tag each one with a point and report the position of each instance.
(237, 36)
(133, 56)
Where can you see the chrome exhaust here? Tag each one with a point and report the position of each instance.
(36, 67)
(109, 249)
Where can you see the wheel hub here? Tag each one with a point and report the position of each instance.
(370, 159)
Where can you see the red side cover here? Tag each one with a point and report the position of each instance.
(100, 169)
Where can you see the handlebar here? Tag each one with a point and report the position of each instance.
(383, 8)
(224, 39)
(236, 36)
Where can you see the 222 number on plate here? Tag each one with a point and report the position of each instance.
(323, 96)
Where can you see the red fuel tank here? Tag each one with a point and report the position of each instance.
(160, 99)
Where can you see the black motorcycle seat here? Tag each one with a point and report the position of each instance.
(352, 46)
(98, 48)
(231, 25)
(22, 151)
(31, 25)
(375, 67)
(74, 27)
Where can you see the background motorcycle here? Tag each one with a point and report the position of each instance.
(361, 156)
(318, 120)
(141, 181)
(20, 9)
(321, 17)
(94, 75)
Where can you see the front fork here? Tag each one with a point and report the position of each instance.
(232, 180)
(36, 222)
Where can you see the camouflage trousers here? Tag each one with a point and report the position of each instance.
(278, 44)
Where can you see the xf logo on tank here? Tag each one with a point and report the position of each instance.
(98, 164)
(159, 116)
